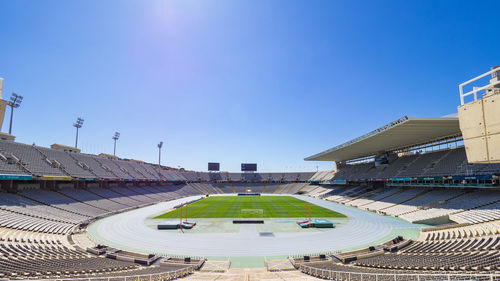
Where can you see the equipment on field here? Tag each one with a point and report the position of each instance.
(183, 224)
(248, 221)
(308, 222)
(172, 224)
(317, 223)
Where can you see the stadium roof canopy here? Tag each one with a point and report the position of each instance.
(399, 134)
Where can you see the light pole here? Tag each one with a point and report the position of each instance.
(15, 101)
(159, 157)
(115, 137)
(78, 124)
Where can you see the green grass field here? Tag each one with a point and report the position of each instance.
(251, 207)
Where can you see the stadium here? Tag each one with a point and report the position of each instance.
(416, 199)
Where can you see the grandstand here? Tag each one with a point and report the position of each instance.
(49, 195)
(415, 169)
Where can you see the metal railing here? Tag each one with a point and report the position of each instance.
(356, 276)
(476, 90)
(170, 275)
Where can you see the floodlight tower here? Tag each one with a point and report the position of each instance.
(15, 102)
(115, 138)
(78, 124)
(159, 157)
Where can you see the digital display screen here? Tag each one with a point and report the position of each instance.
(248, 167)
(213, 166)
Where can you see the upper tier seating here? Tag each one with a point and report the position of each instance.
(149, 169)
(114, 168)
(31, 159)
(352, 171)
(323, 175)
(9, 167)
(96, 167)
(449, 162)
(421, 163)
(69, 164)
(17, 158)
(394, 169)
(173, 175)
(131, 169)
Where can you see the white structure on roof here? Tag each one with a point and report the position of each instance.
(480, 119)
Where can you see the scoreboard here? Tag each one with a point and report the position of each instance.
(248, 167)
(213, 166)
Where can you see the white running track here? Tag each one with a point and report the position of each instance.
(128, 231)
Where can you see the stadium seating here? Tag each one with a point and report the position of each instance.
(482, 214)
(425, 199)
(395, 199)
(449, 162)
(60, 201)
(34, 224)
(434, 255)
(419, 205)
(30, 159)
(113, 166)
(370, 198)
(466, 201)
(97, 168)
(9, 165)
(68, 163)
(460, 232)
(37, 217)
(352, 171)
(28, 254)
(343, 194)
(17, 158)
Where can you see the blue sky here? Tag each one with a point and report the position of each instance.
(231, 81)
